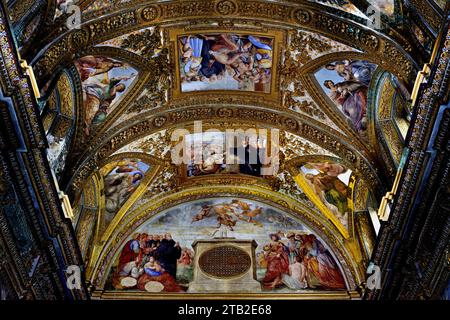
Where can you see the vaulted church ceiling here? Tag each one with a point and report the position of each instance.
(310, 73)
(222, 148)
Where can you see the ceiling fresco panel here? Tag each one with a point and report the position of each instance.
(305, 47)
(217, 63)
(331, 185)
(225, 62)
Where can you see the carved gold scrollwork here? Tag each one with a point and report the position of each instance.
(149, 13)
(226, 7)
(291, 123)
(159, 121)
(370, 41)
(225, 112)
(303, 17)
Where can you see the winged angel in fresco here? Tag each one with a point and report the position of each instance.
(227, 214)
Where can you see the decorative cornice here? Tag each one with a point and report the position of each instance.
(405, 255)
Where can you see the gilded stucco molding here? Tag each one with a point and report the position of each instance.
(393, 57)
(226, 104)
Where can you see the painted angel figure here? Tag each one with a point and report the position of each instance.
(90, 66)
(222, 213)
(118, 187)
(191, 57)
(353, 70)
(244, 212)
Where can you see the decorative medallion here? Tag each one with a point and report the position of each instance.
(226, 7)
(302, 16)
(225, 262)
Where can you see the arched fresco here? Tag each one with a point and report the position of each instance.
(290, 258)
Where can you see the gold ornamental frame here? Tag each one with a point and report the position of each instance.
(279, 39)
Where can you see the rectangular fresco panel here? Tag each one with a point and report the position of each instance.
(244, 157)
(225, 62)
(289, 257)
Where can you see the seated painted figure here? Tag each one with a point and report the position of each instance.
(153, 268)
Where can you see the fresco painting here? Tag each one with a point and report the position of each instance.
(290, 258)
(225, 62)
(346, 83)
(214, 158)
(120, 178)
(104, 81)
(332, 184)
